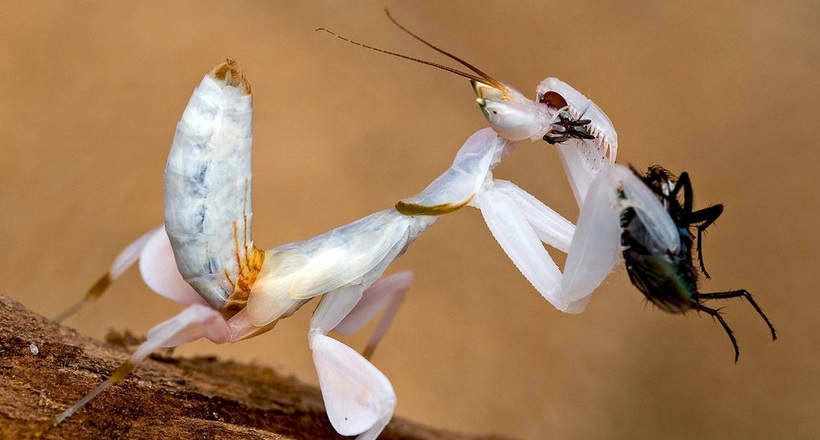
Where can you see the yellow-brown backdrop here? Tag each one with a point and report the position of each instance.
(726, 90)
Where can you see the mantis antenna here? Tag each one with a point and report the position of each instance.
(476, 74)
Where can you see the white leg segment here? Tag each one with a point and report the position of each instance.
(552, 228)
(359, 399)
(120, 264)
(194, 322)
(157, 266)
(596, 246)
(516, 236)
(334, 307)
(387, 294)
(131, 253)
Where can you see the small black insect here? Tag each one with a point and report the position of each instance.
(566, 127)
(668, 278)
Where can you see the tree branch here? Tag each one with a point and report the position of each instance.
(45, 367)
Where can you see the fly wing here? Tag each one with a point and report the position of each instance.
(662, 230)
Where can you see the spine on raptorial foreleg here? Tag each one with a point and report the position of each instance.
(208, 186)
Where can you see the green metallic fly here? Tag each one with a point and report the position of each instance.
(668, 277)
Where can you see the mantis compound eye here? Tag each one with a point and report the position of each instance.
(553, 100)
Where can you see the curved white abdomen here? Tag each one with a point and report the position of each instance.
(208, 186)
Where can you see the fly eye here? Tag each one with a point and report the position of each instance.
(554, 100)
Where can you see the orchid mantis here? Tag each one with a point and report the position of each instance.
(204, 256)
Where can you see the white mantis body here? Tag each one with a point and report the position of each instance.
(204, 257)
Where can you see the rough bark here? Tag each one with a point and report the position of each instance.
(45, 367)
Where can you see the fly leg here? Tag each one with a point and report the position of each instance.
(566, 127)
(704, 218)
(742, 293)
(717, 315)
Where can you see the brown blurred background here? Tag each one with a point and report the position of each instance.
(726, 90)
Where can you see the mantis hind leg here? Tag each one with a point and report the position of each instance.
(194, 322)
(121, 263)
(386, 294)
